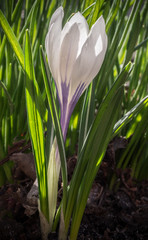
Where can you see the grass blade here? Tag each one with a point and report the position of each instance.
(35, 127)
(129, 115)
(12, 39)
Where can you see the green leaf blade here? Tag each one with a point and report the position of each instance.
(12, 39)
(36, 127)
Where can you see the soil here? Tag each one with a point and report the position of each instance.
(117, 214)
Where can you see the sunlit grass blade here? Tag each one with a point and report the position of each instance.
(27, 21)
(33, 23)
(112, 14)
(16, 10)
(87, 115)
(96, 11)
(143, 43)
(36, 127)
(134, 34)
(87, 10)
(2, 48)
(51, 8)
(12, 39)
(133, 16)
(129, 115)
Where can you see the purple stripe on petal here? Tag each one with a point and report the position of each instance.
(63, 106)
(65, 93)
(77, 95)
(66, 110)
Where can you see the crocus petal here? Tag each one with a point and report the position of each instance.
(52, 42)
(83, 27)
(91, 57)
(68, 53)
(99, 38)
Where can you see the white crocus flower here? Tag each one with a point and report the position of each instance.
(75, 56)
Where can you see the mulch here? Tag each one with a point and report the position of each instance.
(117, 214)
